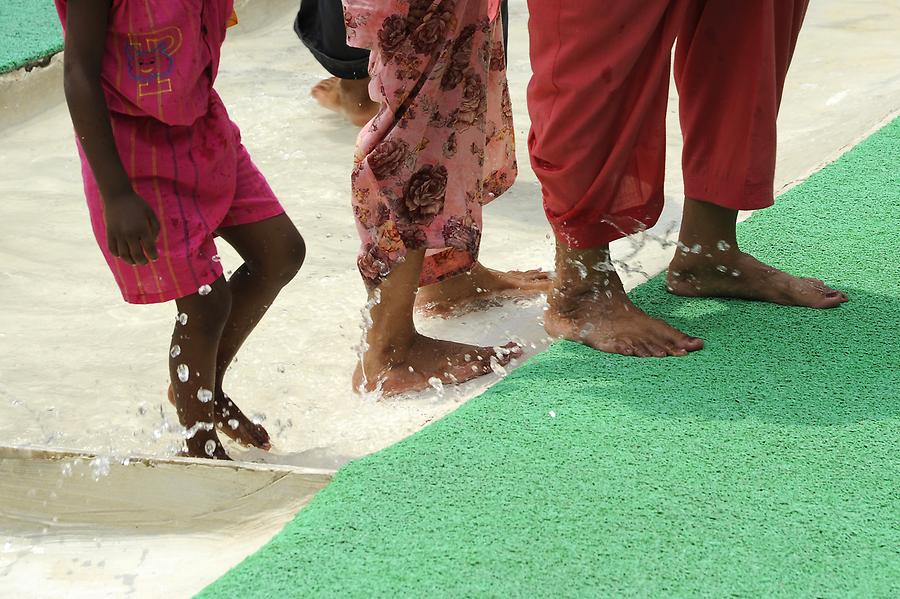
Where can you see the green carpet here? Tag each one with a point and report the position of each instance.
(767, 465)
(29, 32)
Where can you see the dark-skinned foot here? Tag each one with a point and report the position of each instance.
(427, 361)
(731, 273)
(608, 321)
(231, 421)
(589, 305)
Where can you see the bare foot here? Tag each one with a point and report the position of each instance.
(589, 305)
(347, 97)
(231, 421)
(478, 289)
(615, 325)
(733, 274)
(426, 361)
(196, 449)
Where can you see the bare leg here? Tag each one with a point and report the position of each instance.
(721, 269)
(273, 252)
(398, 359)
(192, 367)
(589, 305)
(348, 97)
(480, 288)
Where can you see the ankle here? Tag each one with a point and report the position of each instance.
(387, 348)
(202, 440)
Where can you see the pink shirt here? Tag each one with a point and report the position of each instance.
(162, 56)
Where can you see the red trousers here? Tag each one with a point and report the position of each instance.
(598, 106)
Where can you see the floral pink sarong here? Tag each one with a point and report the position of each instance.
(443, 144)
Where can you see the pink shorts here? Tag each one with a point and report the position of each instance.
(197, 179)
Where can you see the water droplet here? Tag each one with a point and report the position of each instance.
(175, 351)
(210, 448)
(204, 395)
(723, 245)
(496, 367)
(184, 373)
(582, 269)
(552, 414)
(182, 318)
(436, 384)
(696, 249)
(233, 423)
(722, 268)
(216, 258)
(204, 290)
(99, 467)
(735, 273)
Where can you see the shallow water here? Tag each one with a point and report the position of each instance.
(81, 369)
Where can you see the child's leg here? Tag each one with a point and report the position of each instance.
(398, 358)
(192, 366)
(273, 252)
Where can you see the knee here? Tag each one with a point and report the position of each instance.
(284, 264)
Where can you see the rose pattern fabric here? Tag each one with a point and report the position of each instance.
(442, 145)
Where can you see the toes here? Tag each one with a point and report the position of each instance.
(324, 86)
(508, 352)
(263, 440)
(624, 348)
(238, 427)
(689, 344)
(656, 350)
(832, 299)
(641, 350)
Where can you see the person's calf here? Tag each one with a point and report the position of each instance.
(192, 365)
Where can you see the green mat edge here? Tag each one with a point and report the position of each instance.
(887, 128)
(30, 34)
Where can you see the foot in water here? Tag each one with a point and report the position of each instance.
(233, 423)
(424, 361)
(731, 273)
(589, 305)
(480, 288)
(347, 97)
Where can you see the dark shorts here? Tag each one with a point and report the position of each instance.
(320, 26)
